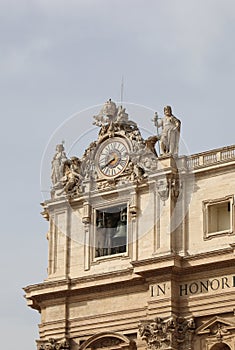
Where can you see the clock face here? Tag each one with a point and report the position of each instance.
(113, 157)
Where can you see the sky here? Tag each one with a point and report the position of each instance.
(60, 57)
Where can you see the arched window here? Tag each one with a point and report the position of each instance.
(220, 346)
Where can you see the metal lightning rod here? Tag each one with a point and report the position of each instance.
(122, 89)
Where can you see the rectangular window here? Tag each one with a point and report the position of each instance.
(111, 231)
(218, 216)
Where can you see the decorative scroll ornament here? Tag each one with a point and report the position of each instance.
(106, 184)
(174, 333)
(53, 344)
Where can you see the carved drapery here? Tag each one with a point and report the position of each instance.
(174, 333)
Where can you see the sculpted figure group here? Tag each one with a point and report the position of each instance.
(68, 174)
(65, 173)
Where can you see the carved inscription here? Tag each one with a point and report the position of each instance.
(212, 285)
(157, 290)
(207, 286)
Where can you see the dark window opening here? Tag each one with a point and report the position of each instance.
(219, 217)
(111, 231)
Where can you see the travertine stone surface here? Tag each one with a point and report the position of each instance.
(172, 274)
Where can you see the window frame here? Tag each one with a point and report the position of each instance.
(215, 202)
(114, 255)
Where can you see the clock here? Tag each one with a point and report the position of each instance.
(112, 157)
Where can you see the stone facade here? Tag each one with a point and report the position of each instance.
(170, 284)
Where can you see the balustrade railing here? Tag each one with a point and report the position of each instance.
(208, 158)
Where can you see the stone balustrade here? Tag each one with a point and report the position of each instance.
(204, 159)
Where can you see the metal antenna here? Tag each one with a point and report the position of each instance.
(122, 88)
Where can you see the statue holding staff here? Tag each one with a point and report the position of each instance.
(170, 132)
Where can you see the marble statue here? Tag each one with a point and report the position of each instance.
(57, 164)
(72, 177)
(170, 132)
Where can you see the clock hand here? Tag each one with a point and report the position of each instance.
(110, 161)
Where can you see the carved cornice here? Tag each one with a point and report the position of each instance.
(171, 263)
(175, 264)
(217, 259)
(167, 261)
(35, 294)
